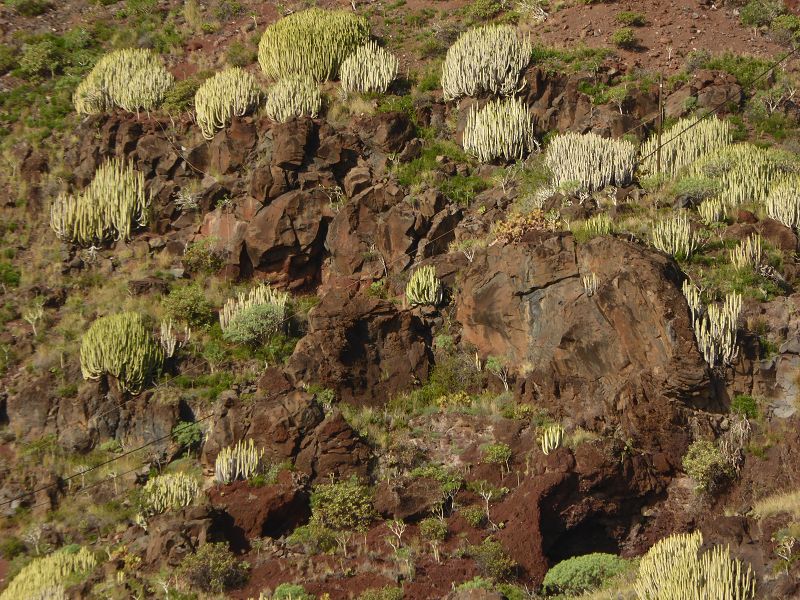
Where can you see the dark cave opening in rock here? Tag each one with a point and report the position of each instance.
(588, 537)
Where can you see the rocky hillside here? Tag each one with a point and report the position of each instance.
(382, 300)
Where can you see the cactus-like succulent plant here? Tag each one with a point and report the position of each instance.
(229, 93)
(674, 569)
(424, 287)
(241, 461)
(551, 438)
(783, 202)
(593, 161)
(46, 576)
(502, 129)
(133, 79)
(110, 207)
(120, 345)
(485, 59)
(369, 68)
(293, 97)
(311, 43)
(170, 491)
(681, 147)
(674, 236)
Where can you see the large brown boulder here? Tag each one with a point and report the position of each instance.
(266, 511)
(285, 240)
(616, 356)
(407, 498)
(365, 348)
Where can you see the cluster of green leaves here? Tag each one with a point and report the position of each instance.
(492, 559)
(631, 19)
(342, 506)
(213, 568)
(760, 13)
(415, 172)
(581, 574)
(291, 591)
(744, 68)
(202, 256)
(745, 405)
(624, 37)
(29, 8)
(706, 465)
(385, 593)
(188, 304)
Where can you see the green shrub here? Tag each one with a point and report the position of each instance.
(201, 256)
(695, 189)
(384, 593)
(581, 574)
(9, 275)
(213, 568)
(745, 405)
(291, 591)
(624, 37)
(8, 59)
(761, 12)
(705, 464)
(744, 68)
(187, 434)
(474, 515)
(29, 8)
(254, 324)
(631, 19)
(492, 559)
(240, 55)
(313, 538)
(478, 12)
(189, 304)
(497, 454)
(11, 547)
(180, 97)
(785, 29)
(433, 529)
(344, 506)
(39, 58)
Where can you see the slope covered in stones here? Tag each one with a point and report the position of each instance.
(467, 332)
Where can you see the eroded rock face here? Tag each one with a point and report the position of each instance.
(408, 498)
(588, 358)
(365, 348)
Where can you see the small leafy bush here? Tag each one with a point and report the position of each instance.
(254, 324)
(758, 13)
(624, 37)
(291, 591)
(213, 568)
(39, 58)
(9, 275)
(343, 505)
(29, 8)
(474, 515)
(695, 189)
(202, 257)
(785, 29)
(631, 19)
(581, 574)
(384, 593)
(492, 559)
(745, 405)
(189, 304)
(313, 538)
(705, 464)
(433, 529)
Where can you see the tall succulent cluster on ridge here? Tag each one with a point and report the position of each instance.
(110, 207)
(253, 315)
(45, 577)
(715, 326)
(783, 202)
(121, 345)
(311, 43)
(680, 146)
(168, 491)
(424, 287)
(229, 93)
(241, 461)
(674, 569)
(485, 59)
(674, 235)
(501, 129)
(593, 161)
(293, 97)
(369, 68)
(133, 79)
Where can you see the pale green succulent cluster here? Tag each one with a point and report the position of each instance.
(424, 287)
(261, 295)
(293, 97)
(599, 224)
(369, 68)
(133, 79)
(311, 43)
(502, 129)
(674, 235)
(110, 207)
(551, 438)
(45, 577)
(715, 326)
(674, 569)
(712, 211)
(171, 491)
(122, 346)
(745, 172)
(680, 148)
(747, 254)
(229, 93)
(241, 461)
(783, 202)
(485, 59)
(594, 161)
